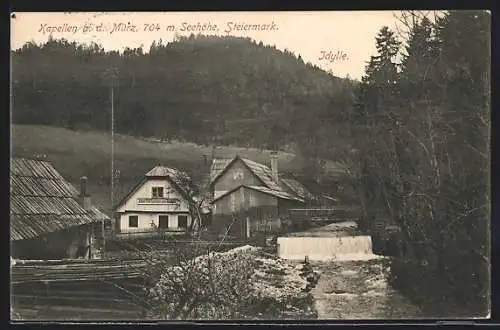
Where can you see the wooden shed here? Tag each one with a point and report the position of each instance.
(49, 218)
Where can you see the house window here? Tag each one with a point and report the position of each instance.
(182, 221)
(157, 192)
(163, 221)
(133, 221)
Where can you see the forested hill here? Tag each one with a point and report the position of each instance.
(204, 89)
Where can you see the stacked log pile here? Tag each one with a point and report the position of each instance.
(72, 290)
(69, 270)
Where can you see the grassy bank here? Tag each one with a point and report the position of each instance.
(78, 153)
(435, 292)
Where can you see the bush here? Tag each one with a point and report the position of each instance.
(212, 286)
(243, 283)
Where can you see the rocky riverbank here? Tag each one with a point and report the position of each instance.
(359, 290)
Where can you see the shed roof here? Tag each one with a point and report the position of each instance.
(276, 193)
(42, 201)
(298, 188)
(265, 190)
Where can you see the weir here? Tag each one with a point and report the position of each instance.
(330, 244)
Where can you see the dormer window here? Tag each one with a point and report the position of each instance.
(157, 192)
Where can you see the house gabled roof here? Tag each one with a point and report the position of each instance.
(42, 201)
(163, 171)
(298, 188)
(330, 198)
(265, 190)
(219, 165)
(276, 193)
(179, 179)
(263, 173)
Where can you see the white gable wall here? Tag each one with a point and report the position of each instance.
(149, 211)
(146, 191)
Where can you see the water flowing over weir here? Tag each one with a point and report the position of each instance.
(336, 241)
(326, 248)
(353, 282)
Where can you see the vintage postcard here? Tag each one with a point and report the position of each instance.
(250, 165)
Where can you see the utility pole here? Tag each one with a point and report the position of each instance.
(112, 145)
(111, 80)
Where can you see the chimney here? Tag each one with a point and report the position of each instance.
(84, 196)
(274, 166)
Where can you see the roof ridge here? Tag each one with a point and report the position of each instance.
(27, 159)
(279, 192)
(44, 196)
(166, 167)
(48, 214)
(253, 161)
(38, 176)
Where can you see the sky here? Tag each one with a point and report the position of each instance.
(340, 42)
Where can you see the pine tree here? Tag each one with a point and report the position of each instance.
(375, 101)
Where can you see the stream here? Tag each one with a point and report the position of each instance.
(359, 290)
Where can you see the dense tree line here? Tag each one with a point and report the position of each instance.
(422, 127)
(205, 89)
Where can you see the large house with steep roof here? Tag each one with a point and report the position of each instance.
(258, 195)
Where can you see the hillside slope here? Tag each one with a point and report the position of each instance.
(75, 154)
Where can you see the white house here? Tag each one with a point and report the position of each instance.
(158, 202)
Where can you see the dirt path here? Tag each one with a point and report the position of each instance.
(359, 290)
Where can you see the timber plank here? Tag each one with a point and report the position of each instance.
(51, 301)
(63, 313)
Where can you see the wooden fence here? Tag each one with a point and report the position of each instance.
(146, 234)
(75, 270)
(306, 217)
